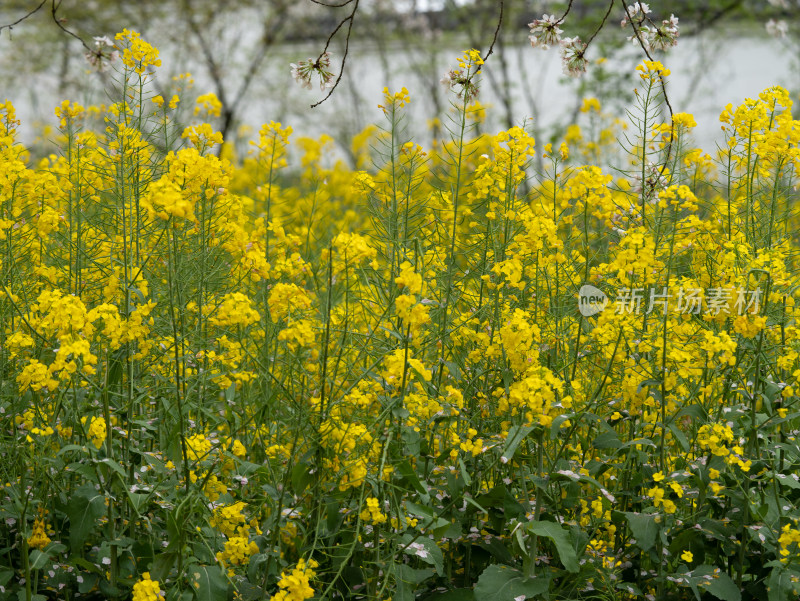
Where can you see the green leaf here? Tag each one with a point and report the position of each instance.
(647, 383)
(162, 565)
(89, 581)
(456, 594)
(453, 369)
(722, 587)
(464, 472)
(84, 509)
(630, 589)
(407, 580)
(679, 436)
(639, 441)
(475, 504)
(787, 480)
(391, 332)
(84, 565)
(644, 529)
(502, 583)
(333, 519)
(560, 537)
(430, 553)
(138, 500)
(515, 436)
(407, 472)
(607, 440)
(70, 447)
(498, 550)
(301, 477)
(427, 513)
(114, 466)
(38, 559)
(209, 583)
(249, 592)
(255, 565)
(555, 427)
(22, 596)
(778, 584)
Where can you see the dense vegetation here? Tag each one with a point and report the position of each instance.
(279, 376)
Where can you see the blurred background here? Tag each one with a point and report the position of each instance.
(241, 50)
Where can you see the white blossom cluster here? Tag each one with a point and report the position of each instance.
(652, 36)
(546, 32)
(304, 71)
(105, 52)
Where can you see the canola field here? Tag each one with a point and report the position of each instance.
(486, 369)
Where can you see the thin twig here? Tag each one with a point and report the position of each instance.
(497, 32)
(602, 24)
(663, 90)
(566, 12)
(327, 5)
(53, 10)
(349, 20)
(18, 21)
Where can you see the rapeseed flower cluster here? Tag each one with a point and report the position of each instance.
(147, 589)
(295, 586)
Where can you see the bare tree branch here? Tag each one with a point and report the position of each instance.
(663, 83)
(10, 26)
(53, 10)
(349, 20)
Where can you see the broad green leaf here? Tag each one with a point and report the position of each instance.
(407, 472)
(464, 472)
(38, 559)
(162, 565)
(456, 594)
(114, 466)
(639, 441)
(87, 583)
(516, 435)
(138, 500)
(407, 580)
(560, 537)
(425, 549)
(301, 477)
(630, 589)
(70, 447)
(779, 583)
(249, 592)
(607, 440)
(722, 587)
(555, 427)
(789, 480)
(427, 513)
(679, 436)
(255, 567)
(502, 583)
(498, 550)
(84, 509)
(208, 582)
(644, 529)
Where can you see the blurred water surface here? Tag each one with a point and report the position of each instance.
(708, 72)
